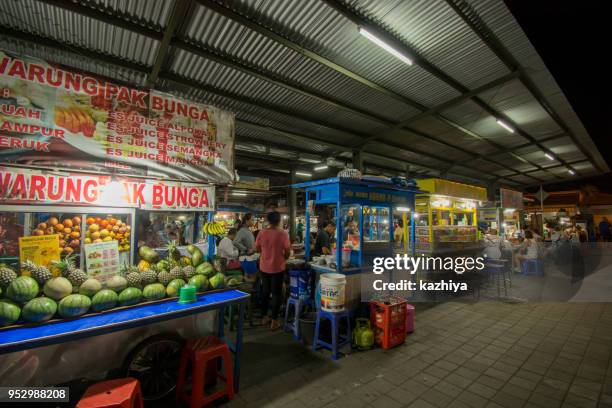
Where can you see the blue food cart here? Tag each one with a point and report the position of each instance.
(373, 218)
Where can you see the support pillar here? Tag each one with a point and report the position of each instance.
(291, 203)
(358, 160)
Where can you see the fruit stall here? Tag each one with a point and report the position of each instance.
(446, 218)
(363, 211)
(82, 293)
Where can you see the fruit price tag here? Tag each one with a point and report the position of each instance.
(102, 260)
(40, 249)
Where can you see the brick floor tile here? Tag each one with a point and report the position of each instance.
(447, 388)
(458, 380)
(482, 390)
(385, 402)
(508, 400)
(472, 399)
(402, 396)
(544, 401)
(491, 382)
(421, 403)
(436, 398)
(500, 375)
(580, 401)
(414, 387)
(523, 383)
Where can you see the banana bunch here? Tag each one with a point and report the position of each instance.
(214, 228)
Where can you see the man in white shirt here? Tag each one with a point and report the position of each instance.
(226, 248)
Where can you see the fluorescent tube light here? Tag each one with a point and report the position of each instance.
(307, 160)
(572, 172)
(549, 156)
(384, 45)
(238, 193)
(303, 174)
(320, 168)
(505, 125)
(402, 209)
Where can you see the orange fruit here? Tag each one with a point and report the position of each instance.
(74, 235)
(90, 220)
(59, 227)
(68, 223)
(42, 226)
(104, 223)
(67, 230)
(52, 221)
(76, 220)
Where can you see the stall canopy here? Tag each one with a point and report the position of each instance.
(465, 96)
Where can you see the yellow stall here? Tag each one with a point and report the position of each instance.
(446, 218)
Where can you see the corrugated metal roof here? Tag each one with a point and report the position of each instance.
(504, 26)
(153, 14)
(72, 60)
(71, 28)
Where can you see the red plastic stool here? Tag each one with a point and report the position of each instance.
(204, 353)
(120, 393)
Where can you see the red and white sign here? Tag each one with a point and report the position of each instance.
(23, 186)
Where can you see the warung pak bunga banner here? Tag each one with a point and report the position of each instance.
(55, 118)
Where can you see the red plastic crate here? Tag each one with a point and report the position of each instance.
(388, 318)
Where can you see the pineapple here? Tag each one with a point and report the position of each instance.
(174, 256)
(188, 272)
(7, 275)
(40, 273)
(134, 279)
(148, 276)
(164, 278)
(66, 265)
(77, 277)
(176, 273)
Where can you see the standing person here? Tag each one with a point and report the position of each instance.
(398, 233)
(299, 231)
(604, 230)
(273, 244)
(244, 237)
(581, 234)
(323, 245)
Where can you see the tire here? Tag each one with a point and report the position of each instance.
(155, 363)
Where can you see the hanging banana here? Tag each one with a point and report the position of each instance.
(213, 228)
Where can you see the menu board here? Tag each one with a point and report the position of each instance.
(40, 249)
(51, 117)
(102, 260)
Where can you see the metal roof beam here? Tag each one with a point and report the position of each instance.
(466, 12)
(177, 17)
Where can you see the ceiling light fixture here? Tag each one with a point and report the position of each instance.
(238, 193)
(402, 209)
(505, 125)
(307, 160)
(384, 46)
(321, 168)
(572, 172)
(303, 174)
(549, 156)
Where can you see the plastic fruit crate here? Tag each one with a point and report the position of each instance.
(388, 318)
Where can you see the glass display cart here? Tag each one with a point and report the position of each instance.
(446, 219)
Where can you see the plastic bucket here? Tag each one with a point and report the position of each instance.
(294, 277)
(299, 283)
(307, 326)
(249, 267)
(332, 292)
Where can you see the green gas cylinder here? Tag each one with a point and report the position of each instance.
(363, 336)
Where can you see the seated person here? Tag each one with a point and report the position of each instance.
(492, 245)
(226, 248)
(527, 250)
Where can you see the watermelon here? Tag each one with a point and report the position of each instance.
(130, 296)
(74, 305)
(90, 287)
(217, 281)
(22, 289)
(205, 268)
(39, 309)
(57, 288)
(173, 288)
(200, 282)
(9, 312)
(117, 283)
(154, 291)
(104, 300)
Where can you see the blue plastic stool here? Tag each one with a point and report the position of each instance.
(532, 267)
(298, 306)
(338, 340)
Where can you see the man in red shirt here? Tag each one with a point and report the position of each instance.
(273, 244)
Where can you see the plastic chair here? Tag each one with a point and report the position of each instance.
(298, 306)
(532, 267)
(204, 353)
(120, 393)
(338, 340)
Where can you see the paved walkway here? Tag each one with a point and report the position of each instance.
(463, 354)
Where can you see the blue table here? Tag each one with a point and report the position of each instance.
(24, 338)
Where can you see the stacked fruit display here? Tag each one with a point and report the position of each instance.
(108, 229)
(69, 230)
(37, 296)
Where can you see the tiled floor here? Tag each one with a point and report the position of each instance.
(462, 354)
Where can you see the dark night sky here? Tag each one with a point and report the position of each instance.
(574, 39)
